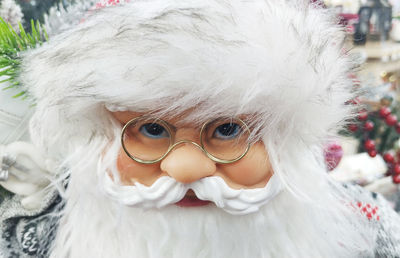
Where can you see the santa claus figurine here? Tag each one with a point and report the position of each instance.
(193, 129)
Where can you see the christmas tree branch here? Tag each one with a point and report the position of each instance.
(11, 44)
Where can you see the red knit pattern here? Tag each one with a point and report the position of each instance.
(369, 211)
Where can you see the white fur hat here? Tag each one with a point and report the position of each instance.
(281, 61)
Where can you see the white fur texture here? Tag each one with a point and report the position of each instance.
(279, 62)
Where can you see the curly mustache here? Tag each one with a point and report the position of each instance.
(166, 190)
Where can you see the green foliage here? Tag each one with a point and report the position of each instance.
(11, 44)
(383, 135)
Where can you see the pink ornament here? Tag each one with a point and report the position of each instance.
(333, 154)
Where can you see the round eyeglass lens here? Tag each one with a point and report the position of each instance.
(226, 138)
(146, 139)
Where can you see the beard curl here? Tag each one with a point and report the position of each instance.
(166, 190)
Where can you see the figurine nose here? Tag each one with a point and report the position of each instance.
(187, 163)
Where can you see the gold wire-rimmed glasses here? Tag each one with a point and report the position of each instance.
(148, 140)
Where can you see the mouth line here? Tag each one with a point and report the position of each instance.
(191, 200)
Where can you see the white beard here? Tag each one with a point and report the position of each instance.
(94, 226)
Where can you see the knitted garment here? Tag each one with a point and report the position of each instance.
(388, 242)
(25, 233)
(28, 234)
(387, 221)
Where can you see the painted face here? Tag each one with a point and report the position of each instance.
(187, 163)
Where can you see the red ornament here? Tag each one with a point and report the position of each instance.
(369, 145)
(389, 158)
(363, 115)
(369, 126)
(396, 179)
(384, 112)
(391, 120)
(396, 169)
(372, 153)
(353, 128)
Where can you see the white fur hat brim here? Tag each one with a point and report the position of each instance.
(281, 61)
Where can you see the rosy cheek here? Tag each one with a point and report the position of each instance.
(253, 170)
(131, 171)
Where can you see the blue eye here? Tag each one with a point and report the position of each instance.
(153, 130)
(227, 131)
